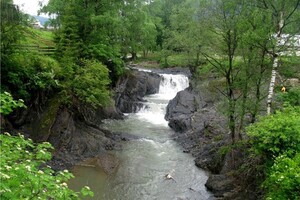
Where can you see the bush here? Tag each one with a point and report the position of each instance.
(24, 74)
(292, 97)
(276, 134)
(24, 174)
(283, 180)
(8, 103)
(276, 140)
(91, 83)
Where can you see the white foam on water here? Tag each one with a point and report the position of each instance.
(155, 108)
(171, 84)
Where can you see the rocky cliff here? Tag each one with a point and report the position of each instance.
(201, 130)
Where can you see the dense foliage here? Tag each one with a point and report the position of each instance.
(283, 180)
(291, 97)
(90, 83)
(276, 140)
(24, 174)
(27, 74)
(8, 104)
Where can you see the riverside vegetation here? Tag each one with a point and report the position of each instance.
(231, 45)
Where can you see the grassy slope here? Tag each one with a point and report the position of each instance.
(38, 37)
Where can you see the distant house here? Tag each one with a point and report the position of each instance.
(36, 23)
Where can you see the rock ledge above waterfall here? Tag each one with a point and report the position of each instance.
(133, 87)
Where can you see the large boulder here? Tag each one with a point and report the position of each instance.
(133, 87)
(181, 108)
(220, 185)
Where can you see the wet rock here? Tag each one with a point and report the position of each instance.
(220, 185)
(185, 102)
(181, 108)
(75, 140)
(74, 131)
(201, 130)
(209, 158)
(118, 136)
(132, 88)
(103, 162)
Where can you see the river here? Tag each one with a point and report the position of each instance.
(144, 162)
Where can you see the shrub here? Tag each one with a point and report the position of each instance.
(91, 83)
(276, 134)
(291, 97)
(8, 103)
(276, 140)
(283, 180)
(25, 73)
(24, 174)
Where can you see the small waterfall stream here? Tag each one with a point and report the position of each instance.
(144, 162)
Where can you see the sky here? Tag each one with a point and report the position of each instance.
(30, 6)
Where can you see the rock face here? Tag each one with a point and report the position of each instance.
(74, 131)
(181, 108)
(132, 88)
(76, 138)
(201, 130)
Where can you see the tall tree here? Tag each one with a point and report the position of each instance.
(139, 31)
(11, 26)
(285, 16)
(226, 19)
(188, 30)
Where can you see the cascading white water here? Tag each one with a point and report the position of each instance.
(154, 109)
(171, 84)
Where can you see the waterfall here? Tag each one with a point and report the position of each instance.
(154, 109)
(171, 84)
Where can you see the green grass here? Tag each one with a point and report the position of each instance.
(157, 59)
(38, 37)
(179, 60)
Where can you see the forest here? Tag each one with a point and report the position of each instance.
(248, 51)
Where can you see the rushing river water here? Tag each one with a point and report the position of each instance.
(144, 162)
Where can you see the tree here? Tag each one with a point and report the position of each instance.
(255, 65)
(161, 11)
(88, 30)
(188, 30)
(285, 14)
(139, 31)
(242, 32)
(226, 18)
(11, 29)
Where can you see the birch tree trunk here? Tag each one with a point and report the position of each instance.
(275, 64)
(272, 85)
